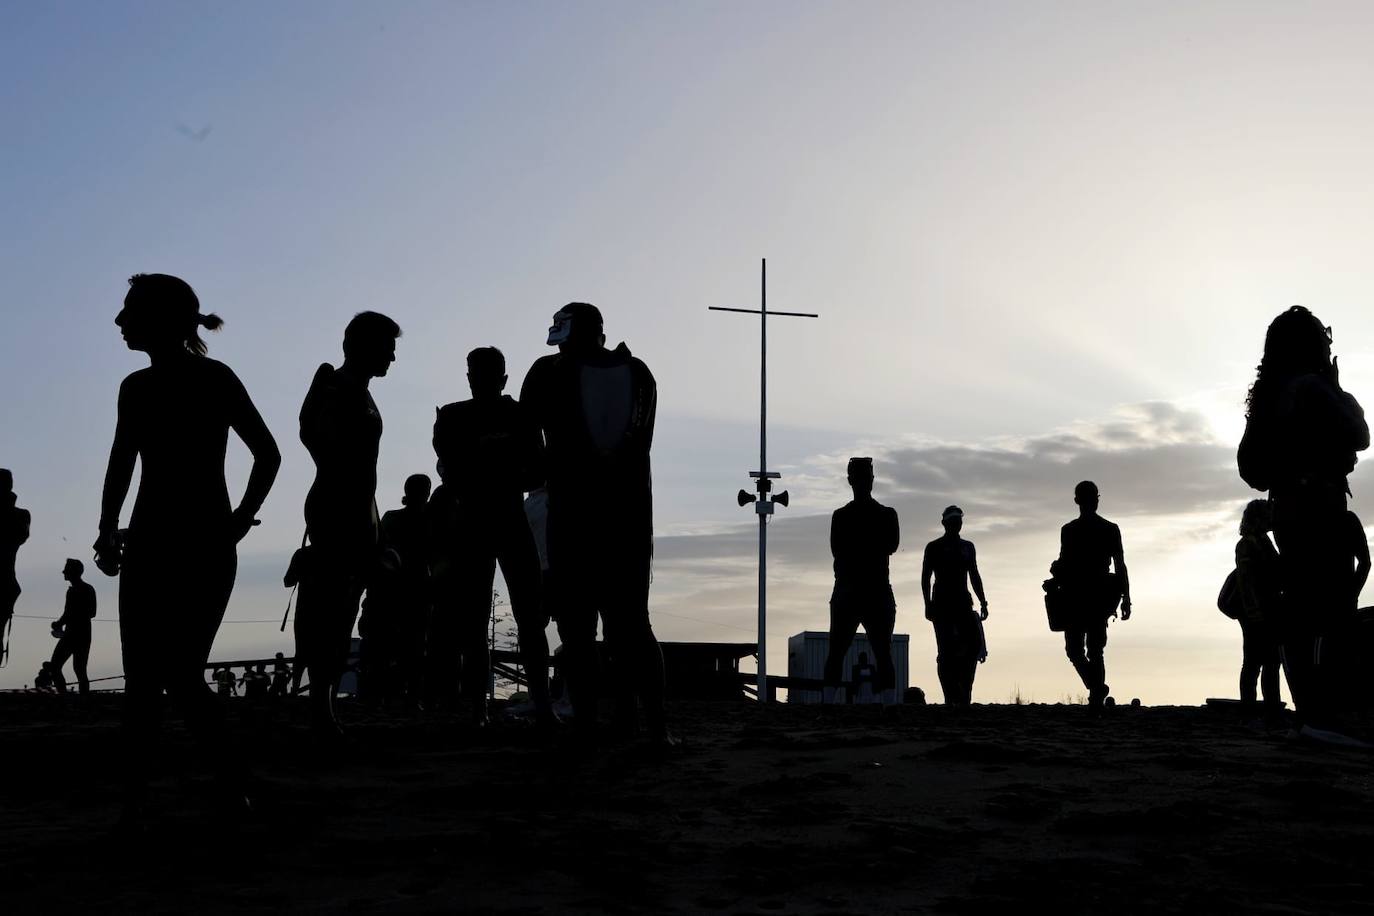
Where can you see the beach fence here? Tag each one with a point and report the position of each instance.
(806, 653)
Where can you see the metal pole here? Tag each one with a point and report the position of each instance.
(763, 480)
(491, 670)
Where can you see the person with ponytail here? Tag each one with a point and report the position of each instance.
(1302, 434)
(177, 558)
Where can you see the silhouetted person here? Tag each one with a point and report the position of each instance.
(953, 563)
(75, 626)
(490, 453)
(14, 531)
(863, 535)
(596, 408)
(178, 562)
(1257, 584)
(1089, 548)
(1302, 433)
(397, 609)
(46, 679)
(224, 682)
(255, 681)
(862, 673)
(281, 676)
(342, 429)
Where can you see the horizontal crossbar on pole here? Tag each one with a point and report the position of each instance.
(721, 308)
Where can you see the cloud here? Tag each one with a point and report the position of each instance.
(1152, 459)
(1165, 476)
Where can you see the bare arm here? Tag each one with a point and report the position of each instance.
(249, 425)
(1362, 564)
(1119, 564)
(119, 473)
(976, 580)
(926, 572)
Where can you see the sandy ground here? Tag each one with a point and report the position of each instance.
(786, 809)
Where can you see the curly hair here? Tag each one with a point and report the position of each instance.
(1295, 344)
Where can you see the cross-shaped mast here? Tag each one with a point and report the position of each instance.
(763, 477)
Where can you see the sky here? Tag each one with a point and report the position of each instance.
(1044, 241)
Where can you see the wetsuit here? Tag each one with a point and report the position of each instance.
(180, 557)
(863, 535)
(14, 531)
(1302, 449)
(75, 643)
(490, 453)
(1257, 579)
(1087, 546)
(403, 621)
(597, 413)
(958, 631)
(342, 429)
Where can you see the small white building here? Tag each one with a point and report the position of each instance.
(806, 654)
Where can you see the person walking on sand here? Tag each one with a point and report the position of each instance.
(14, 531)
(75, 628)
(342, 429)
(178, 562)
(1302, 434)
(1089, 550)
(863, 536)
(953, 563)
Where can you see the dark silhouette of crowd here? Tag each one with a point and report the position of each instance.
(555, 489)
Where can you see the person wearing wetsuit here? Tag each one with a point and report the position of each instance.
(178, 561)
(1302, 435)
(75, 626)
(490, 454)
(1257, 583)
(863, 536)
(953, 563)
(342, 429)
(596, 409)
(1089, 549)
(14, 531)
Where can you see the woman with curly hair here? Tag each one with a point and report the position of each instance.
(178, 559)
(1302, 434)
